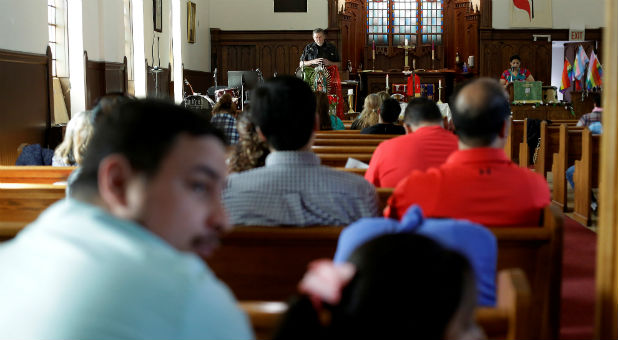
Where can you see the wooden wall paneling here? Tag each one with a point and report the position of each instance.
(270, 51)
(606, 325)
(103, 77)
(94, 79)
(485, 21)
(352, 22)
(200, 81)
(25, 94)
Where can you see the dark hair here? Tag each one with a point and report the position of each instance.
(389, 110)
(323, 106)
(143, 131)
(421, 110)
(106, 103)
(596, 97)
(406, 285)
(513, 57)
(318, 30)
(284, 110)
(250, 151)
(480, 111)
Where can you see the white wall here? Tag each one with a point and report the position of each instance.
(259, 15)
(103, 22)
(587, 13)
(23, 25)
(557, 64)
(196, 56)
(150, 35)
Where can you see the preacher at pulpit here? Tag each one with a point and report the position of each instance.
(515, 72)
(319, 51)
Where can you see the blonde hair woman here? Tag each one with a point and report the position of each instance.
(369, 115)
(78, 133)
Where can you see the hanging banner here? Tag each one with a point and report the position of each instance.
(531, 13)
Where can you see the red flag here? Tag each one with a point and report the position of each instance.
(525, 5)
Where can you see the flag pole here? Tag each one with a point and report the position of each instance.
(532, 9)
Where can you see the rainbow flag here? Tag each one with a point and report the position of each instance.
(567, 75)
(595, 72)
(581, 60)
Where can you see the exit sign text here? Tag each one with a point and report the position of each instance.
(576, 35)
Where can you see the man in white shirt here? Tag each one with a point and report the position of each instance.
(118, 259)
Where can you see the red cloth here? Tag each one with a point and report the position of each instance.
(335, 88)
(396, 158)
(480, 185)
(417, 85)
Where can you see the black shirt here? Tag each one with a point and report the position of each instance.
(384, 129)
(326, 51)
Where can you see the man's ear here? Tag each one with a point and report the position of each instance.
(114, 180)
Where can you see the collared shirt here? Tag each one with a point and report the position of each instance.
(396, 158)
(481, 185)
(327, 51)
(294, 189)
(78, 272)
(592, 117)
(384, 129)
(475, 242)
(226, 123)
(522, 75)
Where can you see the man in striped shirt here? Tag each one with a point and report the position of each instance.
(293, 188)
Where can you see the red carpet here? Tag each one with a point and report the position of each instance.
(578, 286)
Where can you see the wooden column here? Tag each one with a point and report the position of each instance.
(607, 256)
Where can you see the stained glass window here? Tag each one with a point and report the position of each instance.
(391, 22)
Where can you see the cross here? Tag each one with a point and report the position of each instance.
(406, 47)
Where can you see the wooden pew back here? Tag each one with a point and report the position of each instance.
(586, 176)
(568, 152)
(346, 142)
(515, 138)
(343, 149)
(21, 204)
(35, 174)
(340, 159)
(505, 321)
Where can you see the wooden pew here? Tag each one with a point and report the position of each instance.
(346, 142)
(550, 144)
(586, 176)
(35, 174)
(343, 149)
(356, 171)
(21, 204)
(538, 252)
(568, 152)
(325, 135)
(340, 159)
(501, 322)
(266, 263)
(515, 138)
(524, 158)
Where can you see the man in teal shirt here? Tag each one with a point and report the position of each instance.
(118, 259)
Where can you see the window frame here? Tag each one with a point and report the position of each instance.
(419, 25)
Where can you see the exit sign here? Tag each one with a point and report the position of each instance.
(577, 35)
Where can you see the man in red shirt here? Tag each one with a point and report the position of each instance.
(426, 144)
(477, 182)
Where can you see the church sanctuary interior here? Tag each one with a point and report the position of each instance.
(557, 61)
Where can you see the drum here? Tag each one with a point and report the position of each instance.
(199, 103)
(235, 93)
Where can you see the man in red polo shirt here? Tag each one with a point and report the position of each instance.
(426, 144)
(477, 182)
